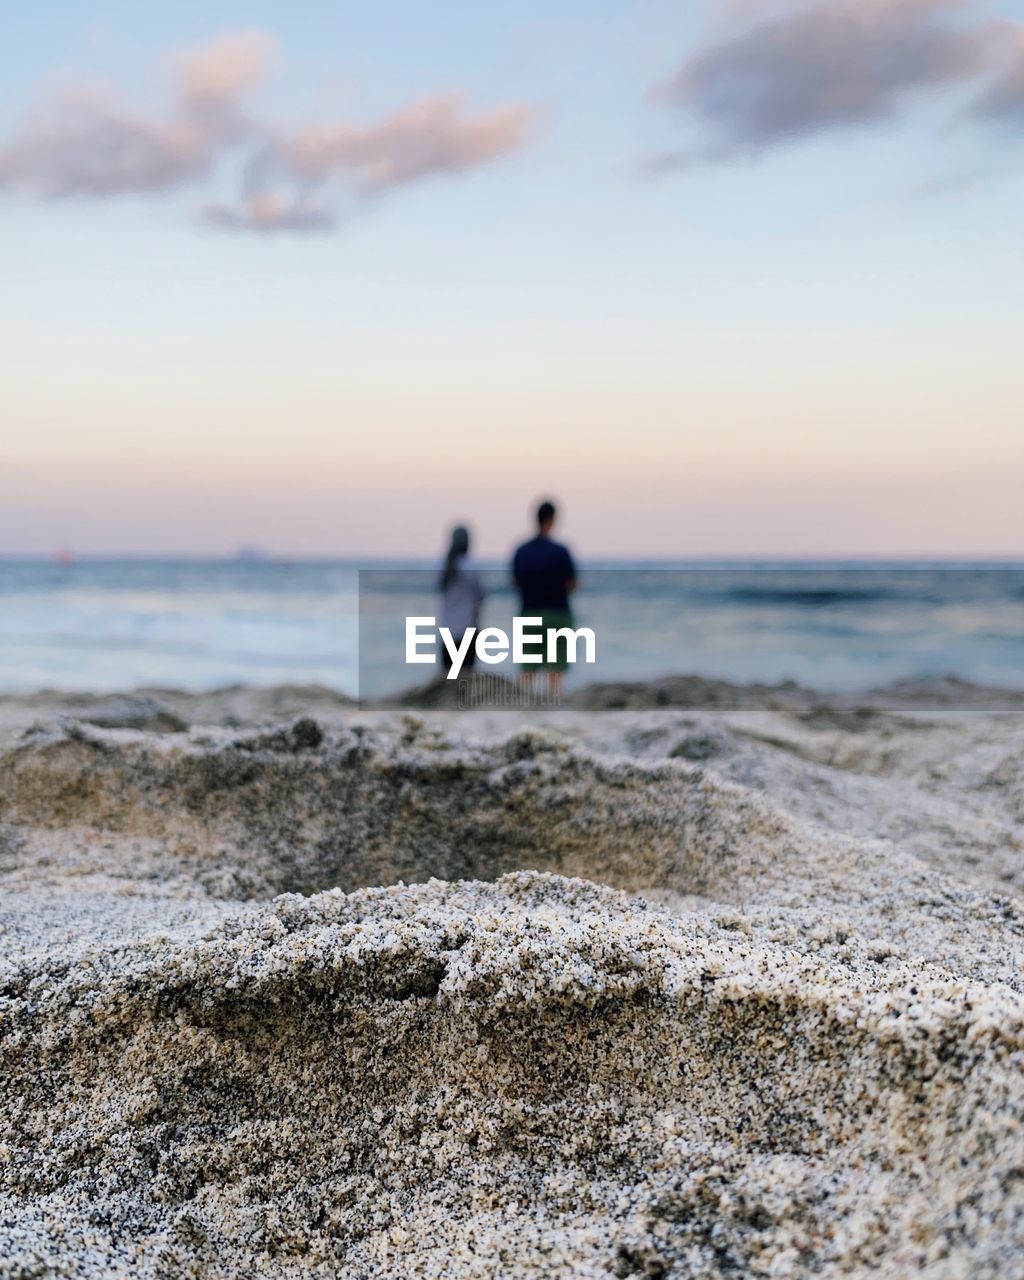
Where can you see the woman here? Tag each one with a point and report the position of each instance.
(462, 594)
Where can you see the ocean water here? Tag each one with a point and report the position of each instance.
(199, 624)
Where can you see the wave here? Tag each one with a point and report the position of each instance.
(808, 596)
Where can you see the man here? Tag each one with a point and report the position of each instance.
(544, 573)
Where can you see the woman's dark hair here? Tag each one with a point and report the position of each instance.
(459, 547)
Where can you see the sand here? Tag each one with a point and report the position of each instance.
(678, 980)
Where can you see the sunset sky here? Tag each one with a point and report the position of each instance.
(723, 277)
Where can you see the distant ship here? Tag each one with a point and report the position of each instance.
(257, 554)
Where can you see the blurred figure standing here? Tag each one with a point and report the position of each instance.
(545, 575)
(462, 595)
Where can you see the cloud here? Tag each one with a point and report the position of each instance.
(83, 141)
(435, 135)
(1003, 99)
(227, 68)
(268, 211)
(294, 177)
(832, 64)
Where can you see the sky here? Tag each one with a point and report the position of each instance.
(724, 277)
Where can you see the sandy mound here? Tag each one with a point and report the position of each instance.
(801, 1055)
(452, 1075)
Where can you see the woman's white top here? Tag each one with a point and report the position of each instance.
(461, 600)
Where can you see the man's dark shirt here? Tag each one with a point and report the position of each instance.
(542, 570)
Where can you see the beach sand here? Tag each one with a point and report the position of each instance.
(676, 980)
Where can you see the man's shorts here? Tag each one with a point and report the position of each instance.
(550, 619)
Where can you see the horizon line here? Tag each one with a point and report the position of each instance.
(67, 559)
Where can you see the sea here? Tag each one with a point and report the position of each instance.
(108, 624)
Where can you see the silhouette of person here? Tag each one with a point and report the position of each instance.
(462, 596)
(544, 573)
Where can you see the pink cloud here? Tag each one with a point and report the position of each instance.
(435, 135)
(225, 69)
(87, 142)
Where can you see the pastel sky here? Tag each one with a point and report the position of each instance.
(725, 277)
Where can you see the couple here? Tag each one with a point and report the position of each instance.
(542, 572)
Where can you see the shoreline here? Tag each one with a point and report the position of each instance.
(247, 702)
